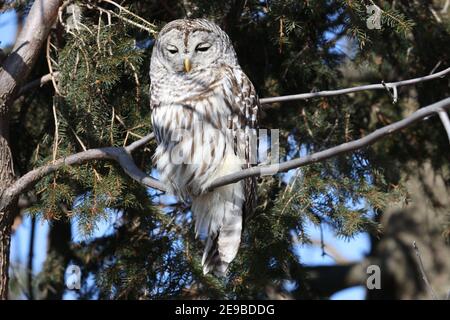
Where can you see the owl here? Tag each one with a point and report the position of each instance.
(204, 116)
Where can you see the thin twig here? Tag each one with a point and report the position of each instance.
(435, 15)
(130, 13)
(326, 93)
(81, 45)
(50, 67)
(435, 67)
(97, 175)
(136, 80)
(150, 29)
(37, 83)
(56, 139)
(392, 93)
(60, 12)
(422, 270)
(111, 130)
(99, 30)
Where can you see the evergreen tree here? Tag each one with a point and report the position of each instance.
(97, 95)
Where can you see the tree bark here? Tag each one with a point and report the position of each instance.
(14, 72)
(6, 177)
(5, 241)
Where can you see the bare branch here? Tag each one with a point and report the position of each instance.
(36, 83)
(422, 270)
(118, 154)
(139, 143)
(334, 151)
(326, 280)
(139, 23)
(123, 157)
(445, 121)
(145, 22)
(393, 85)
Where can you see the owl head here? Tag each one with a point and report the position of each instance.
(189, 46)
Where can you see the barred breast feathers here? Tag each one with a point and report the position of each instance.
(196, 125)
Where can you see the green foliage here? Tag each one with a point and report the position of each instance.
(95, 69)
(285, 47)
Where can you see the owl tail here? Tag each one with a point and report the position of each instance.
(218, 218)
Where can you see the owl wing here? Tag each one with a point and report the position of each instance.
(248, 103)
(240, 97)
(155, 103)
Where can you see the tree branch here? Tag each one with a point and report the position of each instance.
(140, 143)
(327, 280)
(382, 86)
(122, 155)
(445, 122)
(119, 154)
(36, 83)
(19, 62)
(334, 151)
(422, 271)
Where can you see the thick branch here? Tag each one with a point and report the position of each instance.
(334, 151)
(381, 86)
(118, 154)
(19, 62)
(327, 280)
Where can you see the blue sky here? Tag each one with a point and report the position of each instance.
(8, 28)
(353, 250)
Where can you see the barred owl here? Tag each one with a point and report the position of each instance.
(204, 115)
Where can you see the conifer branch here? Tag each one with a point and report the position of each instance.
(122, 155)
(119, 154)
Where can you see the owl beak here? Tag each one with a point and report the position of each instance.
(187, 65)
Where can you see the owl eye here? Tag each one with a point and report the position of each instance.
(202, 47)
(172, 49)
